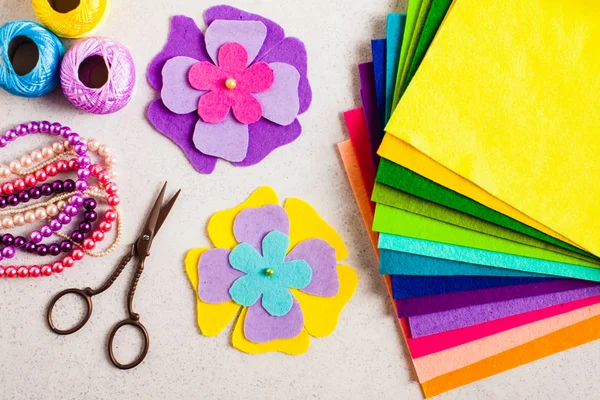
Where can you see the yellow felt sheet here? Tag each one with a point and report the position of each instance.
(516, 112)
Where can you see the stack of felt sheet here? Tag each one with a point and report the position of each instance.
(481, 197)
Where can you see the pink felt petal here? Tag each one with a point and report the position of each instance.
(321, 257)
(292, 51)
(281, 102)
(246, 108)
(249, 34)
(266, 136)
(216, 276)
(177, 94)
(252, 224)
(261, 327)
(227, 140)
(257, 78)
(233, 59)
(185, 39)
(180, 128)
(214, 106)
(206, 76)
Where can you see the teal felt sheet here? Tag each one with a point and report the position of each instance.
(394, 34)
(484, 257)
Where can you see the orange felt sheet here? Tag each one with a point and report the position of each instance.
(467, 363)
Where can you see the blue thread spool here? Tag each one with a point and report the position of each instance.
(33, 78)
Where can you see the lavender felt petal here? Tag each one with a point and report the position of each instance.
(321, 257)
(261, 327)
(177, 94)
(227, 139)
(266, 136)
(185, 39)
(275, 33)
(216, 276)
(280, 103)
(252, 224)
(180, 128)
(292, 51)
(428, 324)
(250, 34)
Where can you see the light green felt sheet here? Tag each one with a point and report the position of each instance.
(412, 14)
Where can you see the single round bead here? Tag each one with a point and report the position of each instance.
(63, 218)
(30, 180)
(44, 126)
(66, 246)
(55, 225)
(12, 200)
(73, 139)
(21, 130)
(61, 204)
(83, 161)
(71, 210)
(104, 177)
(11, 135)
(110, 161)
(26, 161)
(113, 200)
(54, 250)
(19, 184)
(30, 247)
(112, 188)
(62, 166)
(97, 236)
(46, 270)
(57, 267)
(110, 215)
(8, 223)
(33, 127)
(3, 141)
(2, 272)
(80, 148)
(23, 272)
(19, 242)
(65, 131)
(93, 145)
(40, 175)
(89, 244)
(85, 227)
(81, 185)
(15, 166)
(37, 156)
(51, 210)
(23, 197)
(34, 271)
(46, 189)
(3, 202)
(58, 148)
(8, 252)
(90, 204)
(11, 272)
(57, 187)
(83, 174)
(231, 83)
(36, 237)
(19, 219)
(56, 128)
(104, 151)
(68, 262)
(105, 226)
(4, 171)
(69, 185)
(77, 200)
(41, 213)
(8, 239)
(90, 216)
(8, 188)
(47, 152)
(51, 170)
(77, 236)
(77, 254)
(46, 231)
(42, 250)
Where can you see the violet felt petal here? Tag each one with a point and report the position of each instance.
(321, 257)
(249, 34)
(180, 128)
(185, 39)
(280, 103)
(177, 94)
(266, 136)
(216, 276)
(227, 140)
(252, 224)
(292, 51)
(275, 33)
(261, 327)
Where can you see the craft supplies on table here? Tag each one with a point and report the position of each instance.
(475, 243)
(140, 250)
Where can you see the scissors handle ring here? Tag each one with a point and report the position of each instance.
(81, 293)
(143, 353)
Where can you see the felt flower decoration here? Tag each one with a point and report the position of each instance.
(233, 92)
(276, 269)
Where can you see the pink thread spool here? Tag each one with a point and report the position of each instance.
(98, 75)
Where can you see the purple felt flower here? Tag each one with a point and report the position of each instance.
(233, 92)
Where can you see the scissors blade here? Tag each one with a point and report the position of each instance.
(150, 227)
(164, 211)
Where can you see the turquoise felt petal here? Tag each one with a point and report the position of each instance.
(246, 290)
(247, 259)
(275, 246)
(295, 274)
(277, 300)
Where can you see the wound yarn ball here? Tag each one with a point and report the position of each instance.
(98, 75)
(40, 74)
(71, 19)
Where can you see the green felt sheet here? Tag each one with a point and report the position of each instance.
(400, 222)
(406, 180)
(389, 196)
(414, 6)
(435, 17)
(470, 255)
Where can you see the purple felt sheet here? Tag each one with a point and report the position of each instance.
(528, 292)
(369, 103)
(429, 324)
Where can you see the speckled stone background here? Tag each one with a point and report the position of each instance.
(364, 359)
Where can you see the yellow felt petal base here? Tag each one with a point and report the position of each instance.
(212, 318)
(220, 225)
(293, 346)
(306, 223)
(321, 314)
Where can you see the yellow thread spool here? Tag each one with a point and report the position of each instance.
(71, 19)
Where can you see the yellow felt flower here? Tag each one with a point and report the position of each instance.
(276, 267)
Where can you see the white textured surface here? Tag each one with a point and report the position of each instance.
(364, 358)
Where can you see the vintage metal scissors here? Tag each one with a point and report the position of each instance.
(141, 250)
